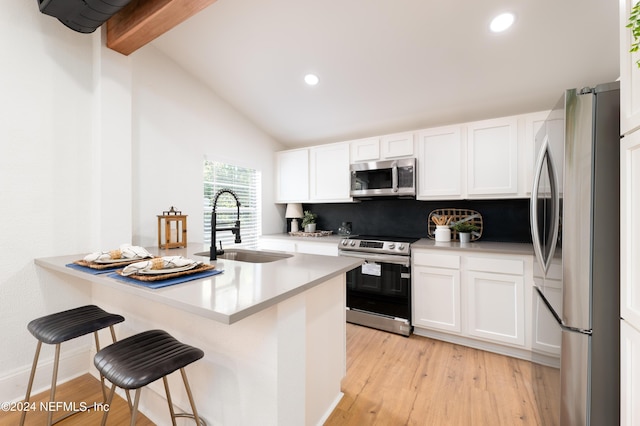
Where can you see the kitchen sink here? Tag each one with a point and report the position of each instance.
(249, 256)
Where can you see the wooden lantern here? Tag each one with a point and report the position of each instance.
(172, 229)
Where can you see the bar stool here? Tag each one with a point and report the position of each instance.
(63, 326)
(136, 361)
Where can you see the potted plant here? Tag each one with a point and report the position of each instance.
(464, 230)
(309, 221)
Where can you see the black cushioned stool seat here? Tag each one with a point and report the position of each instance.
(60, 327)
(136, 361)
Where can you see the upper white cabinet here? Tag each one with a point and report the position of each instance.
(629, 75)
(441, 163)
(382, 148)
(365, 150)
(329, 173)
(492, 157)
(292, 176)
(396, 146)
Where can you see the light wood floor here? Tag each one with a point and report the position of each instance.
(391, 380)
(84, 388)
(394, 380)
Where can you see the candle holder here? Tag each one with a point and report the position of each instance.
(172, 229)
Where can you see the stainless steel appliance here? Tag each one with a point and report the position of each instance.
(379, 292)
(575, 227)
(396, 178)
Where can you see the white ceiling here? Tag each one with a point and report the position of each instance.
(387, 66)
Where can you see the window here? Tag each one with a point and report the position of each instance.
(246, 184)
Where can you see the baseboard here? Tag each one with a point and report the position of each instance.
(332, 407)
(73, 363)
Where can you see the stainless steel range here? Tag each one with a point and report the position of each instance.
(379, 292)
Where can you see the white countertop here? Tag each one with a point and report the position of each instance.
(241, 290)
(477, 246)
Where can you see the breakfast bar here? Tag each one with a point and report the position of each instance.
(273, 333)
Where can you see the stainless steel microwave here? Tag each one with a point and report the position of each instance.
(384, 178)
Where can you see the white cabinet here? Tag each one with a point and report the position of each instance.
(629, 375)
(436, 291)
(547, 334)
(496, 299)
(479, 299)
(630, 226)
(396, 146)
(365, 150)
(382, 148)
(292, 245)
(492, 157)
(329, 173)
(629, 75)
(441, 163)
(292, 176)
(527, 155)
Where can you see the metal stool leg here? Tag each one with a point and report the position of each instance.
(31, 377)
(134, 412)
(169, 401)
(109, 400)
(190, 395)
(54, 379)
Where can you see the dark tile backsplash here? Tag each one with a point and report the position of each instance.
(503, 220)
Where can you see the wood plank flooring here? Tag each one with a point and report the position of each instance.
(391, 380)
(84, 388)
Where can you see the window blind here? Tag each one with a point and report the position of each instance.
(246, 184)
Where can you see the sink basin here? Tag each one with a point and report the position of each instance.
(250, 256)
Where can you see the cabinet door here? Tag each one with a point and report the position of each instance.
(292, 176)
(629, 375)
(440, 161)
(329, 173)
(495, 304)
(629, 75)
(436, 298)
(492, 157)
(630, 226)
(527, 152)
(400, 145)
(365, 150)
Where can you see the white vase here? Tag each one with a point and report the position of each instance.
(310, 227)
(443, 233)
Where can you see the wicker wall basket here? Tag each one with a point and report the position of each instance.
(456, 215)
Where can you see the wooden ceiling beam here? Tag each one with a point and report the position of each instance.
(142, 21)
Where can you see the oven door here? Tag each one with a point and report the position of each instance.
(381, 286)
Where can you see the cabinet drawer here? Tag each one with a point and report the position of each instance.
(500, 266)
(436, 260)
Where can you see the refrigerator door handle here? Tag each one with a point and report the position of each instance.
(562, 325)
(545, 152)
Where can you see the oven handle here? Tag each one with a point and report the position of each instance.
(379, 258)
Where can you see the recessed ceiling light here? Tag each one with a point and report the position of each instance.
(311, 79)
(501, 22)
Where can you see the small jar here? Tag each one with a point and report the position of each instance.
(443, 233)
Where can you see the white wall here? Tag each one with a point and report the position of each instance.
(59, 150)
(177, 123)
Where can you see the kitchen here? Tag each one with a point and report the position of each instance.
(72, 185)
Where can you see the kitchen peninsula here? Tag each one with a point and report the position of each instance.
(273, 334)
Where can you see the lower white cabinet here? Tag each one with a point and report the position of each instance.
(436, 292)
(292, 245)
(473, 296)
(629, 375)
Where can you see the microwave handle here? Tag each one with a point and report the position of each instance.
(394, 177)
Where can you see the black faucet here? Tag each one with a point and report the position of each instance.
(213, 252)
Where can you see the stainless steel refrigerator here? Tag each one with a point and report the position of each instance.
(575, 230)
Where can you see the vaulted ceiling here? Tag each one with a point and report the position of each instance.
(389, 66)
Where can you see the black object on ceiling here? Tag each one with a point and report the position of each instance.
(83, 16)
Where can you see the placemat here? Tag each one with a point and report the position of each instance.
(111, 266)
(168, 279)
(90, 270)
